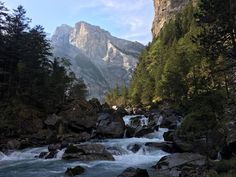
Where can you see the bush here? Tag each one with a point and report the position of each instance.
(226, 167)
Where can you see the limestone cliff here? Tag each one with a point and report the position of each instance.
(164, 11)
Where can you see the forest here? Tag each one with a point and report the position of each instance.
(30, 76)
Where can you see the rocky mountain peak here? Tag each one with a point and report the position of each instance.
(91, 39)
(101, 59)
(83, 26)
(62, 34)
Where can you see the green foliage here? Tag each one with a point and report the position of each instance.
(203, 115)
(226, 166)
(175, 67)
(117, 97)
(31, 80)
(164, 67)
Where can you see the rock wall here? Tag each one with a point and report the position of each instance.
(164, 11)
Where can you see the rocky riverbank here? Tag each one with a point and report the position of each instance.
(79, 130)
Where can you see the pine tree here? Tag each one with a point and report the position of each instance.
(4, 73)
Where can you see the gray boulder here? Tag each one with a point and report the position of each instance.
(52, 120)
(165, 146)
(141, 131)
(13, 144)
(87, 152)
(132, 172)
(78, 170)
(134, 147)
(173, 164)
(110, 126)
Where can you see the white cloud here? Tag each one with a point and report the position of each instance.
(133, 15)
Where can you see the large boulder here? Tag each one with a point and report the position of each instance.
(79, 116)
(134, 147)
(132, 172)
(142, 131)
(170, 119)
(96, 105)
(43, 137)
(74, 137)
(135, 121)
(48, 155)
(110, 126)
(172, 165)
(121, 112)
(78, 170)
(185, 143)
(165, 146)
(53, 121)
(169, 135)
(129, 132)
(87, 152)
(13, 144)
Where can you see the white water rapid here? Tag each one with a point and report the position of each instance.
(24, 164)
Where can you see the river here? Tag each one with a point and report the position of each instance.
(24, 164)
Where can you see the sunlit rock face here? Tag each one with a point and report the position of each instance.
(103, 61)
(164, 11)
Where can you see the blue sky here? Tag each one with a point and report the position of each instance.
(128, 19)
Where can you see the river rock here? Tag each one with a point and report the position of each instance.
(54, 147)
(13, 144)
(48, 155)
(121, 112)
(173, 164)
(199, 145)
(52, 120)
(78, 170)
(129, 132)
(165, 146)
(169, 135)
(74, 137)
(135, 121)
(132, 172)
(170, 119)
(141, 131)
(117, 150)
(134, 147)
(96, 104)
(42, 155)
(43, 137)
(87, 152)
(110, 126)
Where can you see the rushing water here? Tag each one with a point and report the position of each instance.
(24, 164)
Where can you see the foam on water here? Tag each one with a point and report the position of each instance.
(23, 155)
(24, 164)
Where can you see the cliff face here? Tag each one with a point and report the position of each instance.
(164, 11)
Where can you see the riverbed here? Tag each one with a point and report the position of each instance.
(24, 164)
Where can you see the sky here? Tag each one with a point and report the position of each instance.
(127, 19)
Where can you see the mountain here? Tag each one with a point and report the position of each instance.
(102, 60)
